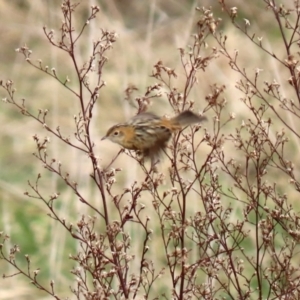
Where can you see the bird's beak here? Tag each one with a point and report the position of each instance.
(104, 138)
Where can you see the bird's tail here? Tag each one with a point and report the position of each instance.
(187, 118)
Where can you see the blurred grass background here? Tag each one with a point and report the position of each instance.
(148, 31)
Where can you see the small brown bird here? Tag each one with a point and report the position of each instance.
(148, 133)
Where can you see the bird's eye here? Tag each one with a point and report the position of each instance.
(116, 133)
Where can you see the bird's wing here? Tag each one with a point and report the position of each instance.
(142, 118)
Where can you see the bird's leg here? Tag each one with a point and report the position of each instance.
(154, 162)
(140, 157)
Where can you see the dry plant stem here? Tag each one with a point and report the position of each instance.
(40, 117)
(191, 66)
(87, 114)
(67, 43)
(215, 153)
(257, 155)
(179, 102)
(279, 14)
(31, 275)
(243, 86)
(182, 206)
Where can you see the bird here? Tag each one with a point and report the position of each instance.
(148, 134)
